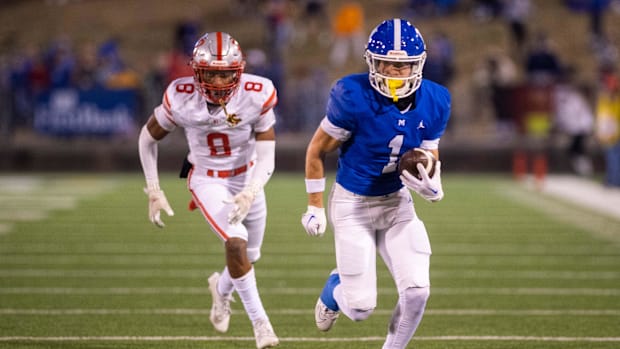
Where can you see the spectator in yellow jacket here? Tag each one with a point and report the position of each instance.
(608, 126)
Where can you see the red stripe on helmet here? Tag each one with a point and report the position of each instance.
(219, 45)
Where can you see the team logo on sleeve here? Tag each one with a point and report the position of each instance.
(231, 119)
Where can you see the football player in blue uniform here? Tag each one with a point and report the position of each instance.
(372, 119)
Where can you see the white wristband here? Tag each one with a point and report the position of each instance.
(315, 185)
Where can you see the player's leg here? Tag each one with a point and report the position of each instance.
(238, 275)
(405, 248)
(208, 195)
(221, 288)
(249, 253)
(326, 310)
(246, 287)
(352, 290)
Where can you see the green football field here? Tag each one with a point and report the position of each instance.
(82, 267)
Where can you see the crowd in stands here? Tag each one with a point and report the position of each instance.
(30, 71)
(532, 60)
(532, 89)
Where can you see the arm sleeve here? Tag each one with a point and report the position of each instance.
(147, 147)
(265, 164)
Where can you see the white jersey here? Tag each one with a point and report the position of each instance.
(221, 138)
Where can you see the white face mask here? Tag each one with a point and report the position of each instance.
(395, 76)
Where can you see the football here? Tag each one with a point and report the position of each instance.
(410, 159)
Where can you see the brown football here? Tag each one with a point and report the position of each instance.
(410, 159)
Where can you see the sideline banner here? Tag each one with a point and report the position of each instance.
(94, 112)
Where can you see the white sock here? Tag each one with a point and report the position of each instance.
(248, 292)
(342, 301)
(406, 317)
(225, 285)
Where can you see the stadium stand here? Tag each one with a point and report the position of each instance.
(141, 45)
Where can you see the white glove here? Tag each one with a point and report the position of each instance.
(428, 188)
(242, 203)
(157, 202)
(314, 221)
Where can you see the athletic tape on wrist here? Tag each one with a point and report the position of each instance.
(315, 185)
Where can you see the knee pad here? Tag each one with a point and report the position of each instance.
(253, 254)
(360, 314)
(415, 297)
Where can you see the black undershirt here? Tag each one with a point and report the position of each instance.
(404, 103)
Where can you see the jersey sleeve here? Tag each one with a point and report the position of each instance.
(268, 100)
(441, 114)
(164, 112)
(266, 121)
(341, 105)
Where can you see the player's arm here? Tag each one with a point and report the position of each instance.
(435, 153)
(314, 220)
(152, 132)
(430, 188)
(265, 157)
(320, 145)
(263, 169)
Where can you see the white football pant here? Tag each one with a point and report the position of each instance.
(209, 194)
(388, 224)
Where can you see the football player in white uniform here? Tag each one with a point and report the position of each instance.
(229, 122)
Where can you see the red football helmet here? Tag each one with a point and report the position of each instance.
(218, 63)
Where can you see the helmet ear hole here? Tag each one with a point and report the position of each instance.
(217, 62)
(397, 43)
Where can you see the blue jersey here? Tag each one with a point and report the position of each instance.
(380, 133)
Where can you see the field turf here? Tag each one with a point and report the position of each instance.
(82, 267)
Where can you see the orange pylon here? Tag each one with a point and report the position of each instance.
(540, 169)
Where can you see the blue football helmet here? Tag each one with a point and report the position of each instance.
(395, 42)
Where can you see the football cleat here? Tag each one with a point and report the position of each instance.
(264, 334)
(324, 317)
(220, 310)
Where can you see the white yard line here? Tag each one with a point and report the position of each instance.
(32, 198)
(521, 291)
(94, 248)
(296, 312)
(189, 273)
(301, 339)
(197, 259)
